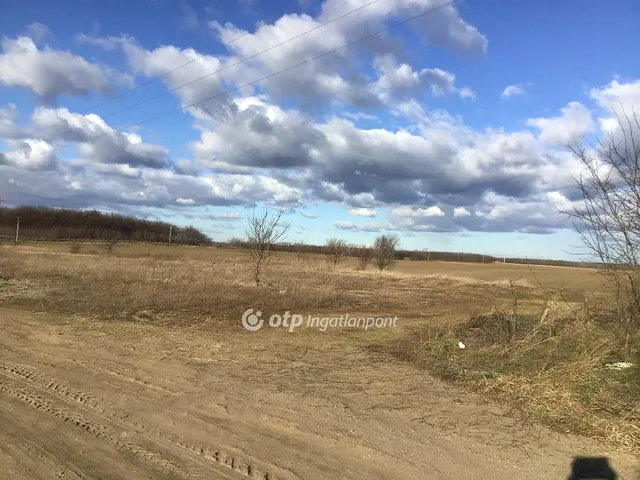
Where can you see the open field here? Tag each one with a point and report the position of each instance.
(574, 278)
(134, 364)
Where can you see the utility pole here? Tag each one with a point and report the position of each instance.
(17, 230)
(170, 233)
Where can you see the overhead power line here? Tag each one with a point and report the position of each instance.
(122, 94)
(153, 79)
(226, 67)
(235, 89)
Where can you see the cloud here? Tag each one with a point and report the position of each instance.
(30, 155)
(38, 31)
(461, 212)
(87, 184)
(362, 212)
(226, 216)
(49, 73)
(336, 77)
(445, 27)
(466, 92)
(267, 153)
(405, 212)
(574, 122)
(618, 101)
(426, 168)
(97, 140)
(494, 213)
(259, 135)
(8, 122)
(365, 227)
(189, 15)
(616, 94)
(514, 90)
(444, 162)
(398, 82)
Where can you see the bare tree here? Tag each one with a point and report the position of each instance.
(608, 215)
(236, 242)
(364, 255)
(301, 250)
(384, 251)
(264, 232)
(337, 249)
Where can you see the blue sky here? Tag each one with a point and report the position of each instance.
(445, 130)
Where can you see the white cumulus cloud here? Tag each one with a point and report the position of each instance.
(513, 90)
(362, 212)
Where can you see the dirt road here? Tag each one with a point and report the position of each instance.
(85, 400)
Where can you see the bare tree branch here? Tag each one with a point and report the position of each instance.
(608, 216)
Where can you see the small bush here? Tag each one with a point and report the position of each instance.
(364, 256)
(110, 245)
(384, 251)
(75, 248)
(337, 250)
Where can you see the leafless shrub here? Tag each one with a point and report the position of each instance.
(264, 232)
(301, 250)
(337, 250)
(75, 248)
(236, 242)
(364, 255)
(608, 215)
(110, 245)
(384, 250)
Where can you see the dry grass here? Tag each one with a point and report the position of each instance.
(115, 287)
(574, 280)
(549, 366)
(185, 284)
(550, 369)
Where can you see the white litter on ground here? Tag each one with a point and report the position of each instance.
(619, 365)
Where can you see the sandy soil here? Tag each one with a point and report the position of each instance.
(87, 400)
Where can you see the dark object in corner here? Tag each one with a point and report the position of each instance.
(592, 468)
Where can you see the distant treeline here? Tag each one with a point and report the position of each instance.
(417, 255)
(45, 223)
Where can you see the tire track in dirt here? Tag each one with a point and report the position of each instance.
(201, 455)
(127, 378)
(91, 366)
(50, 459)
(100, 431)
